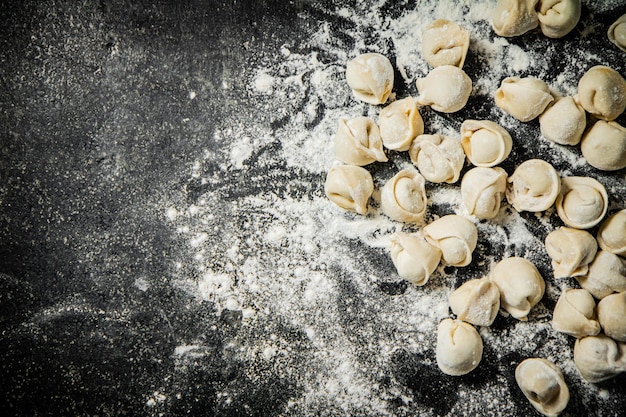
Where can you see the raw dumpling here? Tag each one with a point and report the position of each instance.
(350, 187)
(582, 202)
(602, 92)
(564, 121)
(477, 301)
(485, 143)
(612, 234)
(612, 316)
(604, 146)
(438, 158)
(358, 142)
(414, 258)
(514, 17)
(617, 33)
(542, 383)
(575, 314)
(521, 285)
(403, 197)
(534, 186)
(459, 347)
(400, 122)
(571, 251)
(482, 190)
(445, 89)
(445, 43)
(606, 275)
(523, 98)
(557, 18)
(599, 358)
(370, 76)
(455, 236)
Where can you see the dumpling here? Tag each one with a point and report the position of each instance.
(370, 76)
(571, 251)
(350, 187)
(534, 186)
(557, 18)
(477, 301)
(514, 17)
(602, 92)
(575, 314)
(617, 33)
(521, 285)
(523, 98)
(564, 121)
(400, 122)
(445, 89)
(612, 316)
(612, 234)
(599, 358)
(438, 158)
(358, 142)
(445, 43)
(459, 347)
(542, 383)
(403, 197)
(604, 146)
(482, 190)
(606, 275)
(582, 202)
(455, 236)
(414, 258)
(485, 143)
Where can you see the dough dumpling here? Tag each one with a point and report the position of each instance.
(564, 121)
(604, 146)
(414, 258)
(485, 143)
(403, 197)
(602, 92)
(455, 236)
(459, 347)
(534, 186)
(617, 33)
(358, 142)
(542, 383)
(350, 187)
(582, 202)
(612, 234)
(445, 43)
(521, 285)
(370, 76)
(571, 251)
(482, 190)
(438, 158)
(514, 17)
(575, 314)
(477, 301)
(557, 18)
(599, 358)
(606, 275)
(445, 89)
(612, 316)
(400, 122)
(523, 98)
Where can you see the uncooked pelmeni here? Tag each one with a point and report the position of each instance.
(564, 121)
(445, 89)
(575, 314)
(455, 236)
(445, 43)
(604, 146)
(599, 358)
(571, 251)
(521, 285)
(523, 98)
(617, 33)
(358, 142)
(542, 383)
(477, 301)
(533, 186)
(485, 143)
(514, 17)
(557, 18)
(403, 197)
(438, 158)
(606, 275)
(459, 347)
(350, 187)
(414, 258)
(400, 122)
(482, 190)
(370, 76)
(582, 202)
(612, 316)
(612, 234)
(602, 92)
